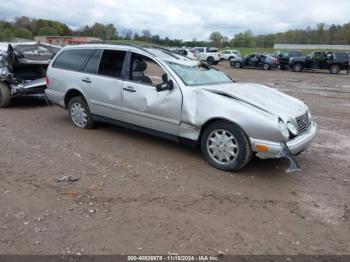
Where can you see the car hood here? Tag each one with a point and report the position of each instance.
(263, 98)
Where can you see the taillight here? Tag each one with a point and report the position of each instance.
(47, 81)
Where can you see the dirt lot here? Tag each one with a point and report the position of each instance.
(142, 195)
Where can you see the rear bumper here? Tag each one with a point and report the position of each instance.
(55, 97)
(296, 145)
(36, 86)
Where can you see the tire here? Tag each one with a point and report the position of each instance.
(230, 58)
(335, 69)
(5, 95)
(236, 64)
(297, 67)
(216, 150)
(210, 60)
(266, 66)
(78, 105)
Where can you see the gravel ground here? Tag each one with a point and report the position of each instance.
(138, 194)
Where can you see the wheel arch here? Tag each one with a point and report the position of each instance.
(71, 94)
(217, 119)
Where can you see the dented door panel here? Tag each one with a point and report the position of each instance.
(144, 106)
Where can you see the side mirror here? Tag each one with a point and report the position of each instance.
(166, 85)
(165, 78)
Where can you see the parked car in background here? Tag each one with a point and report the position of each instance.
(209, 54)
(229, 54)
(285, 56)
(158, 92)
(186, 52)
(256, 60)
(332, 61)
(23, 69)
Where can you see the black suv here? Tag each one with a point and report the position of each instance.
(285, 56)
(332, 61)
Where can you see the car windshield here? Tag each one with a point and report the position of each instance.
(200, 74)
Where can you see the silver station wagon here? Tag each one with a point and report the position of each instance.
(156, 91)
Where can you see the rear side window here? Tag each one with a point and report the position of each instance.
(344, 56)
(72, 59)
(112, 63)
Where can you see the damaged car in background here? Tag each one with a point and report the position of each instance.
(23, 69)
(158, 92)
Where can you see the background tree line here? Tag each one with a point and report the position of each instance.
(24, 27)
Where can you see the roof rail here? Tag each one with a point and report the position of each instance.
(127, 44)
(167, 51)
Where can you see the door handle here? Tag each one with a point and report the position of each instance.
(129, 89)
(86, 80)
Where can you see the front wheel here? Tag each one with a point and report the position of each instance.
(335, 69)
(79, 113)
(297, 67)
(225, 146)
(5, 95)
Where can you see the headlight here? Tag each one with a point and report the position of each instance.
(292, 128)
(284, 129)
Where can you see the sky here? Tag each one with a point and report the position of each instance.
(185, 19)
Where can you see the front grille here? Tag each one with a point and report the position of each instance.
(304, 123)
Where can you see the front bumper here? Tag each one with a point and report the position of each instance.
(295, 145)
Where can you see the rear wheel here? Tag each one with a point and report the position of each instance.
(210, 60)
(297, 67)
(225, 146)
(266, 66)
(5, 95)
(335, 69)
(79, 113)
(236, 64)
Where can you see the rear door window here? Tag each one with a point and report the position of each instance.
(72, 59)
(263, 58)
(111, 63)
